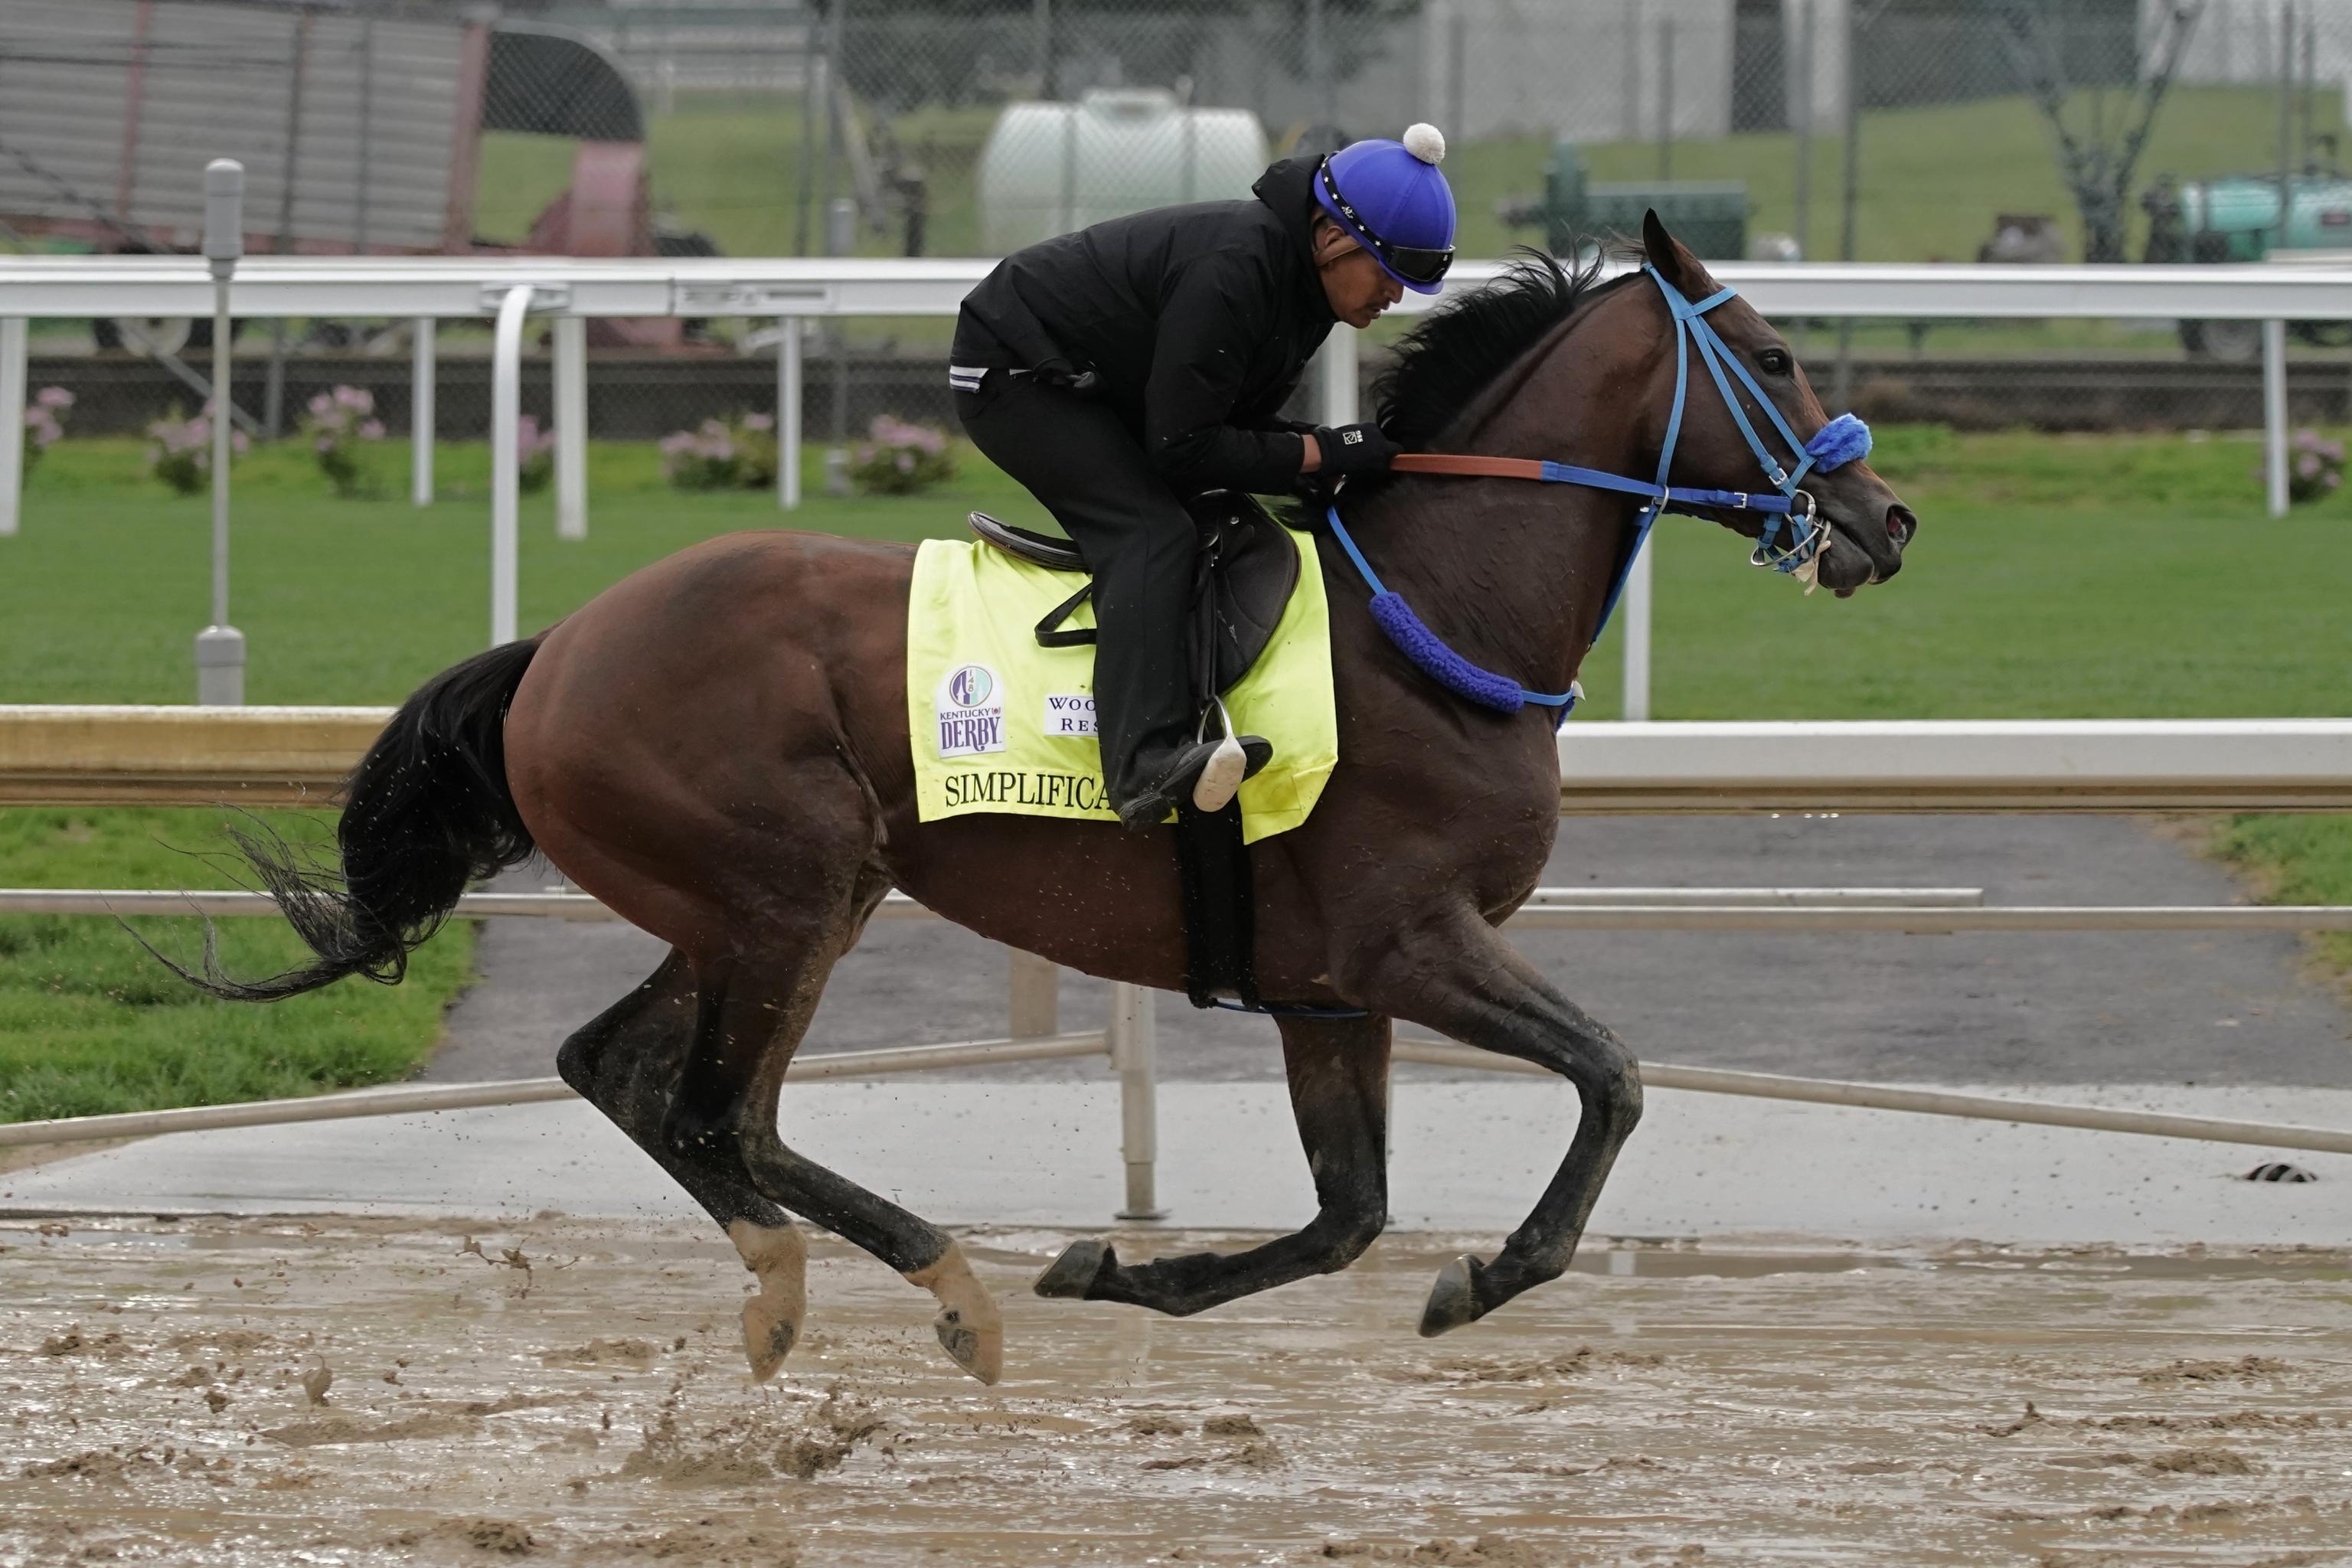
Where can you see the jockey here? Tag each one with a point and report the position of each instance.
(1121, 368)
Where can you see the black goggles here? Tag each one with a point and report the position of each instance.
(1411, 263)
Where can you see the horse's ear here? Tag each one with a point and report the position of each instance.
(1672, 258)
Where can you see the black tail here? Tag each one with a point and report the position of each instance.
(426, 813)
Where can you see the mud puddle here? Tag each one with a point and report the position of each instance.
(231, 1392)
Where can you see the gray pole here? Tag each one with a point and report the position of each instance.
(1318, 65)
(273, 400)
(1666, 97)
(366, 129)
(811, 71)
(1842, 385)
(2286, 121)
(1804, 129)
(220, 648)
(1041, 21)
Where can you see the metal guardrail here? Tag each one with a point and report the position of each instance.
(267, 756)
(1917, 911)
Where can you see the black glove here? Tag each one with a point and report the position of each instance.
(1353, 449)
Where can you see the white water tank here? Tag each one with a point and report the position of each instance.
(1048, 168)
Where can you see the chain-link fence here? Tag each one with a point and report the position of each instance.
(2026, 131)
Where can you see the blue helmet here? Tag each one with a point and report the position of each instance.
(1391, 198)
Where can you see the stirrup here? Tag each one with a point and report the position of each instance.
(1221, 778)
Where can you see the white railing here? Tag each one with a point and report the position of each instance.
(570, 289)
(196, 755)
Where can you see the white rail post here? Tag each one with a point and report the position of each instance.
(2275, 414)
(1637, 636)
(12, 420)
(506, 473)
(420, 412)
(788, 413)
(1134, 1051)
(1034, 1002)
(571, 427)
(1335, 378)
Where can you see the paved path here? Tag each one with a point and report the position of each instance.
(1466, 1157)
(2038, 1008)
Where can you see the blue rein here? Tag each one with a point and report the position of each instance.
(1836, 444)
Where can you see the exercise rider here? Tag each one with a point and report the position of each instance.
(1119, 370)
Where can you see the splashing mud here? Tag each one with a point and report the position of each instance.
(161, 1399)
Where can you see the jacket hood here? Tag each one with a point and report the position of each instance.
(1287, 189)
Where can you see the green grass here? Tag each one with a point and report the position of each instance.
(2296, 860)
(2060, 578)
(89, 1023)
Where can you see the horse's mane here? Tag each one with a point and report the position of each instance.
(1445, 362)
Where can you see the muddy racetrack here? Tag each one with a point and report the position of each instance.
(560, 1392)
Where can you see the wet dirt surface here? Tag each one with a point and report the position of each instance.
(217, 1391)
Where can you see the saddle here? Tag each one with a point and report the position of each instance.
(1244, 572)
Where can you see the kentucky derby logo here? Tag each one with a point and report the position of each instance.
(970, 712)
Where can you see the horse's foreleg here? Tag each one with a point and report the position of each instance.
(1464, 980)
(1339, 1074)
(626, 1062)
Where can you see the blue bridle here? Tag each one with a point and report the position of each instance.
(1838, 443)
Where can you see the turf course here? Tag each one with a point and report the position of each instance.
(2052, 577)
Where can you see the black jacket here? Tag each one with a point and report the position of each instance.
(1196, 320)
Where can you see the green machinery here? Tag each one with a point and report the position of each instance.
(1709, 216)
(2236, 219)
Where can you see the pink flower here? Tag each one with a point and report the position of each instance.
(54, 397)
(322, 405)
(759, 422)
(358, 399)
(905, 462)
(323, 445)
(2307, 465)
(373, 430)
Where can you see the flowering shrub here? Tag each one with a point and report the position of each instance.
(723, 454)
(181, 453)
(2315, 468)
(342, 425)
(45, 422)
(898, 457)
(534, 454)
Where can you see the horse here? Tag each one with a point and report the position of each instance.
(717, 747)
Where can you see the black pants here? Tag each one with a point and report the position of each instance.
(1078, 460)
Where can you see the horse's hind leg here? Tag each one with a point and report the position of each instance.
(626, 1062)
(754, 1005)
(1461, 978)
(1339, 1074)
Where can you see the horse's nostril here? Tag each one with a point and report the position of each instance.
(1901, 524)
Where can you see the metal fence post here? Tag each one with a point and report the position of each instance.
(788, 412)
(1134, 1051)
(12, 420)
(506, 472)
(1335, 378)
(420, 412)
(1637, 636)
(1034, 1002)
(571, 427)
(2275, 414)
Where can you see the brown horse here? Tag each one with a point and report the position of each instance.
(717, 747)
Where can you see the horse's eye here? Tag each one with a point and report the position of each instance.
(1776, 361)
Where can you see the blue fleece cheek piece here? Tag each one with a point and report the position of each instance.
(1840, 441)
(1429, 654)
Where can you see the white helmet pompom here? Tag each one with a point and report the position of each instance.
(1425, 142)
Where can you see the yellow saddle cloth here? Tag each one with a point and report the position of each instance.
(1001, 724)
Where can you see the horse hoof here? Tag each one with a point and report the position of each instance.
(768, 1337)
(1070, 1276)
(1454, 1299)
(979, 1351)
